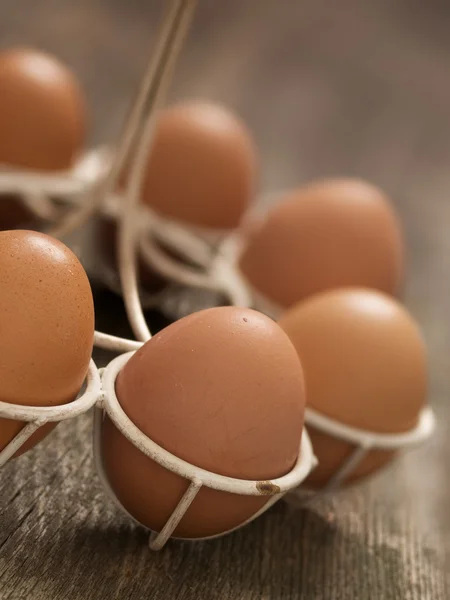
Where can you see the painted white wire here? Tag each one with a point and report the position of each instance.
(365, 441)
(370, 440)
(90, 199)
(114, 343)
(158, 78)
(16, 181)
(91, 187)
(158, 540)
(36, 416)
(35, 190)
(171, 269)
(220, 275)
(56, 413)
(346, 469)
(191, 243)
(185, 469)
(153, 85)
(199, 478)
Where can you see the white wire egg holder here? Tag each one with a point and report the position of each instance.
(37, 416)
(100, 394)
(366, 441)
(198, 477)
(213, 254)
(100, 391)
(221, 274)
(90, 187)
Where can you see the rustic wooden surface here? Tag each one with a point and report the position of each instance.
(353, 87)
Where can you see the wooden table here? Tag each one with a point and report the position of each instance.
(355, 88)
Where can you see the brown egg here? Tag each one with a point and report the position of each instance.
(46, 323)
(42, 111)
(333, 233)
(364, 361)
(202, 167)
(221, 389)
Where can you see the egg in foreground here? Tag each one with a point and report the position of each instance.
(331, 233)
(221, 389)
(365, 365)
(46, 324)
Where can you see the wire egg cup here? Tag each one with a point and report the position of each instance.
(198, 477)
(365, 441)
(38, 416)
(90, 188)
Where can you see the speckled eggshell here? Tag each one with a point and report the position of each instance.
(222, 389)
(365, 365)
(329, 234)
(42, 111)
(202, 168)
(46, 325)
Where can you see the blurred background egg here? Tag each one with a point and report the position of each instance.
(202, 168)
(46, 325)
(365, 365)
(222, 389)
(332, 233)
(202, 172)
(42, 111)
(42, 121)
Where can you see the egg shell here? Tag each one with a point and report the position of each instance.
(42, 111)
(46, 324)
(329, 234)
(365, 365)
(222, 389)
(202, 168)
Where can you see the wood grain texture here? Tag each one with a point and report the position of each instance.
(348, 88)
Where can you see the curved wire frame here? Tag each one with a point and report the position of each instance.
(198, 477)
(37, 416)
(215, 258)
(38, 191)
(90, 184)
(90, 187)
(365, 441)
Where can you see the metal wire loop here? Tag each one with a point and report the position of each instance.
(37, 416)
(198, 477)
(365, 441)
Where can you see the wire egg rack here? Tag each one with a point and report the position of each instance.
(91, 188)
